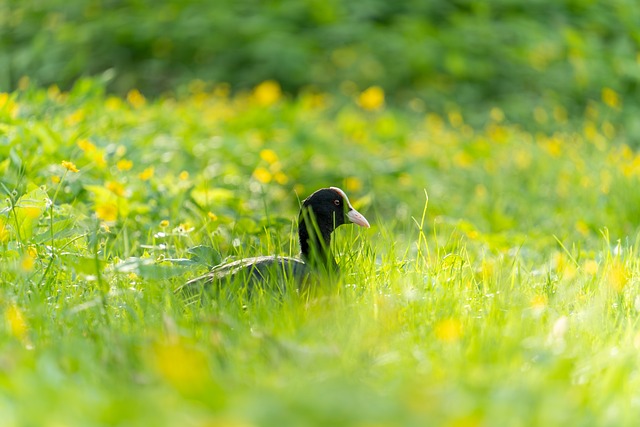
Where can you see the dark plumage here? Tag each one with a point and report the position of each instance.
(321, 213)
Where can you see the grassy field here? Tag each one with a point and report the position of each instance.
(507, 297)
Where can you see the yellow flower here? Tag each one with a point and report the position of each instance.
(124, 165)
(281, 178)
(113, 103)
(182, 367)
(267, 93)
(74, 118)
(268, 155)
(184, 175)
(55, 179)
(98, 159)
(146, 174)
(448, 330)
(69, 166)
(539, 302)
(262, 175)
(372, 99)
(115, 187)
(27, 263)
(164, 223)
(353, 184)
(9, 105)
(212, 216)
(86, 145)
(618, 276)
(611, 98)
(107, 211)
(135, 98)
(16, 321)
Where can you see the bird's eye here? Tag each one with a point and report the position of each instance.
(336, 202)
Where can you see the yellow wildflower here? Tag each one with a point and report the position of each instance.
(107, 211)
(115, 187)
(146, 174)
(371, 99)
(86, 145)
(539, 302)
(27, 263)
(55, 179)
(180, 366)
(16, 321)
(75, 117)
(448, 330)
(212, 216)
(281, 178)
(135, 98)
(184, 175)
(618, 276)
(113, 103)
(98, 159)
(262, 175)
(267, 93)
(124, 165)
(268, 155)
(69, 166)
(353, 184)
(611, 98)
(9, 104)
(164, 223)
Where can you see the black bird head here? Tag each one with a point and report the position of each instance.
(321, 213)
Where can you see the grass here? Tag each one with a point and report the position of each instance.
(510, 299)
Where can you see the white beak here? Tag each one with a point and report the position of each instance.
(357, 218)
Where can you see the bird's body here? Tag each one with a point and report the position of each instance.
(320, 214)
(251, 271)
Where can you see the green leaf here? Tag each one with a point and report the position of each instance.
(205, 255)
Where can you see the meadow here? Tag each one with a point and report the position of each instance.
(497, 285)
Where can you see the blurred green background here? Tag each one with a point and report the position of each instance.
(475, 54)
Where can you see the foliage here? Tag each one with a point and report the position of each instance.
(510, 299)
(479, 54)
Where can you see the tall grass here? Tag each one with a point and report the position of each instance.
(509, 299)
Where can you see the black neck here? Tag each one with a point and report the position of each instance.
(315, 244)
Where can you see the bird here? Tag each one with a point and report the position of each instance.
(320, 214)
